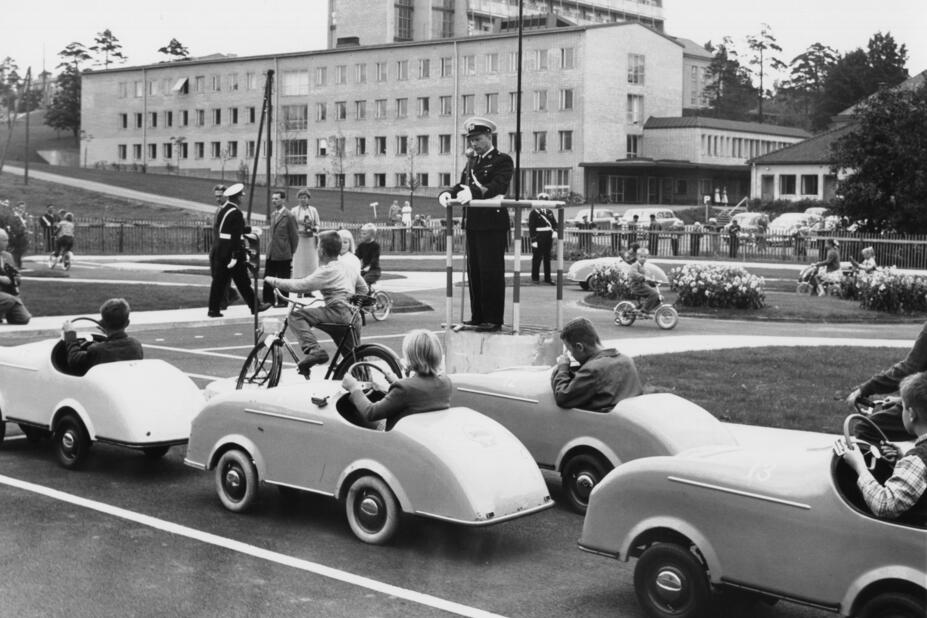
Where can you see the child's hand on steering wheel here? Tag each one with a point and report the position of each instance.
(349, 382)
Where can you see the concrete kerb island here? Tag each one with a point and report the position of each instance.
(477, 352)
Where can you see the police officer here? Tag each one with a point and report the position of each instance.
(486, 175)
(542, 224)
(228, 258)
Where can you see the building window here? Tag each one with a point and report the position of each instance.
(402, 145)
(421, 144)
(215, 149)
(320, 181)
(540, 60)
(382, 71)
(231, 150)
(635, 109)
(444, 143)
(491, 62)
(201, 117)
(139, 90)
(444, 179)
(511, 64)
(294, 83)
(139, 120)
(341, 110)
(809, 184)
(295, 117)
(421, 179)
(152, 152)
(540, 100)
(122, 152)
(447, 105)
(634, 146)
(636, 69)
(403, 20)
(443, 21)
(424, 107)
(321, 147)
(137, 152)
(153, 120)
(152, 88)
(400, 179)
(466, 104)
(379, 147)
(540, 141)
(295, 151)
(199, 83)
(468, 65)
(380, 108)
(566, 99)
(360, 110)
(447, 67)
(360, 73)
(341, 74)
(216, 117)
(168, 119)
(787, 184)
(321, 111)
(492, 103)
(402, 70)
(251, 81)
(216, 83)
(566, 58)
(566, 141)
(402, 108)
(360, 180)
(199, 150)
(513, 102)
(360, 145)
(379, 180)
(321, 75)
(124, 121)
(513, 142)
(424, 68)
(250, 145)
(231, 82)
(123, 91)
(252, 115)
(184, 118)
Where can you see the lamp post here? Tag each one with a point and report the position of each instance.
(85, 138)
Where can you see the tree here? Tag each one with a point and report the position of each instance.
(763, 47)
(808, 72)
(108, 45)
(885, 159)
(64, 111)
(730, 91)
(175, 50)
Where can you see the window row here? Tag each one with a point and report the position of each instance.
(184, 118)
(179, 148)
(738, 147)
(787, 184)
(230, 82)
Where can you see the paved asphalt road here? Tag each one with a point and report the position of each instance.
(128, 536)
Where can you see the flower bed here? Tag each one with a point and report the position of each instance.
(610, 282)
(707, 285)
(888, 290)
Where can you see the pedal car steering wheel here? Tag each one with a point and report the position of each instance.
(872, 455)
(364, 377)
(94, 336)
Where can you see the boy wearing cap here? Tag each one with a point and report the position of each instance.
(228, 259)
(486, 175)
(117, 346)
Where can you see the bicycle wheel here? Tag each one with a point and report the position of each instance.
(373, 353)
(624, 313)
(381, 308)
(262, 367)
(666, 317)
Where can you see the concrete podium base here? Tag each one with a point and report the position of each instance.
(470, 351)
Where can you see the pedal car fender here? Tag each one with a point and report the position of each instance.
(879, 574)
(587, 442)
(240, 441)
(70, 403)
(380, 470)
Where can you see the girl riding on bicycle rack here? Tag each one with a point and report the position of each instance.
(338, 282)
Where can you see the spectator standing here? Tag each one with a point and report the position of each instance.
(733, 237)
(542, 230)
(306, 258)
(653, 243)
(48, 222)
(695, 239)
(631, 227)
(12, 308)
(394, 217)
(64, 242)
(283, 241)
(407, 214)
(674, 234)
(486, 175)
(368, 252)
(798, 239)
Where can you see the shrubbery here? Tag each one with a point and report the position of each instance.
(610, 282)
(707, 285)
(889, 290)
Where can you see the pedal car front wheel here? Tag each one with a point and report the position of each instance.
(372, 510)
(236, 481)
(625, 313)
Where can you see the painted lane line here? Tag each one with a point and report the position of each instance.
(122, 282)
(251, 550)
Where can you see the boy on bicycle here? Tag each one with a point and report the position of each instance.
(337, 281)
(368, 252)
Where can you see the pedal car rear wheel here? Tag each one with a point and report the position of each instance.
(262, 367)
(72, 443)
(625, 313)
(381, 308)
(803, 288)
(580, 474)
(670, 581)
(236, 481)
(666, 317)
(900, 604)
(372, 510)
(372, 353)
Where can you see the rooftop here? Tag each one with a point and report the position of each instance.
(813, 150)
(703, 122)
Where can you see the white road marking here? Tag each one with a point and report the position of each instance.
(250, 550)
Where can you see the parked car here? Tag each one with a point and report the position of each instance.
(664, 216)
(581, 271)
(579, 444)
(146, 405)
(455, 465)
(750, 222)
(602, 217)
(783, 523)
(786, 224)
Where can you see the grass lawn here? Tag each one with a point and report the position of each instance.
(794, 388)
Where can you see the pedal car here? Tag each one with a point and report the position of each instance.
(455, 465)
(144, 404)
(787, 523)
(579, 444)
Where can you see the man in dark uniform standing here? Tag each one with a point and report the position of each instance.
(542, 226)
(486, 176)
(228, 259)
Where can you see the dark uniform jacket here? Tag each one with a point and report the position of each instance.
(543, 220)
(487, 177)
(230, 225)
(117, 347)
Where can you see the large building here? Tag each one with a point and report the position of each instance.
(376, 116)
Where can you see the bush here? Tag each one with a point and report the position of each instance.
(610, 282)
(707, 285)
(888, 290)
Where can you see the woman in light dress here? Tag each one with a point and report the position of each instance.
(306, 258)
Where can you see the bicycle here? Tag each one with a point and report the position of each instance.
(381, 306)
(264, 364)
(665, 315)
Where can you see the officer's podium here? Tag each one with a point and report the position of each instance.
(473, 351)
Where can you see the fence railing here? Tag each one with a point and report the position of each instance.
(196, 236)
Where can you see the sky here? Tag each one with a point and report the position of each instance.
(245, 27)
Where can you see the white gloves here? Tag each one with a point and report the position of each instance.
(534, 245)
(232, 264)
(443, 198)
(554, 236)
(464, 195)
